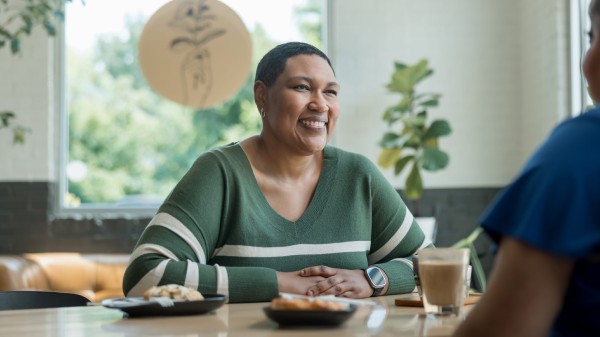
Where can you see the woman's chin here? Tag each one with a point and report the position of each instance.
(315, 146)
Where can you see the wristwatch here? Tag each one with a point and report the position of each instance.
(376, 279)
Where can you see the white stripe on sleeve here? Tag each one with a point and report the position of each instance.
(149, 280)
(192, 275)
(406, 261)
(171, 223)
(150, 248)
(394, 241)
(222, 281)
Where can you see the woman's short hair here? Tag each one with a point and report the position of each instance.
(273, 63)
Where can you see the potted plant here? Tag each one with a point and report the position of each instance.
(411, 141)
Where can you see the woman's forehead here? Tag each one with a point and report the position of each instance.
(307, 64)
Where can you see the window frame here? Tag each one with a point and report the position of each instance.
(579, 26)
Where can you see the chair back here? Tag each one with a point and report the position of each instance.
(33, 299)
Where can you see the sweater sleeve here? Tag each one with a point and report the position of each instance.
(183, 236)
(396, 236)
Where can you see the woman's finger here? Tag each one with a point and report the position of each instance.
(318, 271)
(327, 286)
(340, 289)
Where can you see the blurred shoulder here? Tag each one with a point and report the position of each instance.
(575, 137)
(580, 127)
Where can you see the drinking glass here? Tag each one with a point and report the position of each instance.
(442, 274)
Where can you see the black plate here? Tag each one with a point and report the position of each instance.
(309, 317)
(140, 307)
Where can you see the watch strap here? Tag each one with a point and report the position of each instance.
(377, 291)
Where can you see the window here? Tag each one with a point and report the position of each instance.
(127, 146)
(580, 26)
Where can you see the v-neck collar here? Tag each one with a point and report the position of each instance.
(317, 203)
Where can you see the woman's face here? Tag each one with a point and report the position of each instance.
(591, 62)
(302, 105)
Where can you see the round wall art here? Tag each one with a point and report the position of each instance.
(197, 53)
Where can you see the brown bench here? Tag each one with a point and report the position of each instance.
(95, 276)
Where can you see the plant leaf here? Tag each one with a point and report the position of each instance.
(414, 183)
(393, 140)
(438, 128)
(15, 45)
(50, 29)
(431, 143)
(400, 164)
(389, 137)
(433, 159)
(59, 14)
(478, 271)
(5, 33)
(5, 117)
(404, 104)
(388, 114)
(417, 122)
(421, 71)
(28, 24)
(404, 78)
(399, 66)
(430, 103)
(400, 83)
(474, 235)
(388, 157)
(469, 240)
(19, 135)
(427, 96)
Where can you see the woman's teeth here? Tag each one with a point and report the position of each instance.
(313, 123)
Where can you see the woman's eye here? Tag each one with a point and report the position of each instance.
(590, 35)
(301, 87)
(331, 92)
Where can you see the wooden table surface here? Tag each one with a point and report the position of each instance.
(231, 320)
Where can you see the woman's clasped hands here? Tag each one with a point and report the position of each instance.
(324, 280)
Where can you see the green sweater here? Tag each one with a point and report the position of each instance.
(217, 233)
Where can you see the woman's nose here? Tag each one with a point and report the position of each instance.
(318, 106)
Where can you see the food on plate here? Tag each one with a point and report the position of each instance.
(174, 292)
(306, 304)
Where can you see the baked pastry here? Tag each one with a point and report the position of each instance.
(174, 292)
(306, 304)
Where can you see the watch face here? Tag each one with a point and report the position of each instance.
(376, 277)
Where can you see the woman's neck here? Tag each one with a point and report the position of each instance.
(279, 162)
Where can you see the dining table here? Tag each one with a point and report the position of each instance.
(379, 316)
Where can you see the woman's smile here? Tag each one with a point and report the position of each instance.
(313, 124)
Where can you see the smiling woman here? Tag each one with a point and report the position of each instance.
(282, 211)
(127, 140)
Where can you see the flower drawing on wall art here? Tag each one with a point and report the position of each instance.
(195, 20)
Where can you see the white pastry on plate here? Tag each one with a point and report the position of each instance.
(174, 292)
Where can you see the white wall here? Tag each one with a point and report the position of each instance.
(544, 69)
(27, 87)
(500, 65)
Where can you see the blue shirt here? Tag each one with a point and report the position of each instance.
(554, 205)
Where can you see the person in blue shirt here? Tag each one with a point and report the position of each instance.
(546, 278)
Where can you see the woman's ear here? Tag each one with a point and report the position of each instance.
(260, 95)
